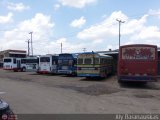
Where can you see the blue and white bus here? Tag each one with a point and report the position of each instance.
(67, 64)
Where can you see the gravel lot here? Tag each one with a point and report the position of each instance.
(28, 92)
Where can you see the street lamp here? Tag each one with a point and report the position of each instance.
(120, 21)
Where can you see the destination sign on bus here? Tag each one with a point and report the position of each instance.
(88, 55)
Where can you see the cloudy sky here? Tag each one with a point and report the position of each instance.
(77, 24)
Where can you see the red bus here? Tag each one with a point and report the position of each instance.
(138, 62)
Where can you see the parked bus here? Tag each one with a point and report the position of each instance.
(29, 64)
(138, 62)
(48, 64)
(11, 63)
(67, 64)
(93, 64)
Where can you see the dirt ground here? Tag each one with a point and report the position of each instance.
(28, 92)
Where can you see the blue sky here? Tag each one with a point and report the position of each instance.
(78, 24)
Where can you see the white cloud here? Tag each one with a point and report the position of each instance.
(109, 27)
(6, 19)
(17, 7)
(78, 22)
(42, 28)
(76, 3)
(57, 6)
(151, 32)
(103, 30)
(67, 46)
(154, 12)
(100, 36)
(132, 31)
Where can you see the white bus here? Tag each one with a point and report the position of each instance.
(48, 64)
(11, 63)
(30, 64)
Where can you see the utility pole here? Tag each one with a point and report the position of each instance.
(61, 47)
(120, 21)
(84, 49)
(31, 43)
(28, 46)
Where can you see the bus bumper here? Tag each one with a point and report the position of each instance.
(7, 69)
(87, 75)
(138, 78)
(65, 72)
(43, 72)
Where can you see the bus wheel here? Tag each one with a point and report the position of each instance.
(120, 81)
(23, 69)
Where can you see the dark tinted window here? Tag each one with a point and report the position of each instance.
(7, 60)
(54, 60)
(44, 59)
(65, 62)
(80, 61)
(31, 60)
(87, 61)
(23, 61)
(65, 56)
(14, 60)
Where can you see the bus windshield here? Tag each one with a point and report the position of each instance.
(87, 61)
(65, 62)
(44, 59)
(80, 61)
(7, 60)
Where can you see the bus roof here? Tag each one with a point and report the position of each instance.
(31, 57)
(101, 55)
(138, 45)
(73, 54)
(49, 55)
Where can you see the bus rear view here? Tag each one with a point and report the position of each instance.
(137, 63)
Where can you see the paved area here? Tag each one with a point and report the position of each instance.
(28, 92)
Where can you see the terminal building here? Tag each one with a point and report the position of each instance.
(12, 53)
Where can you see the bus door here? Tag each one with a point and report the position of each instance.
(18, 64)
(54, 67)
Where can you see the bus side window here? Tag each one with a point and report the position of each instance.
(14, 61)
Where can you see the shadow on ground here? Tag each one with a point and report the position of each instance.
(94, 90)
(141, 85)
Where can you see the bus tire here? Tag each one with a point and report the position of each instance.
(120, 81)
(23, 69)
